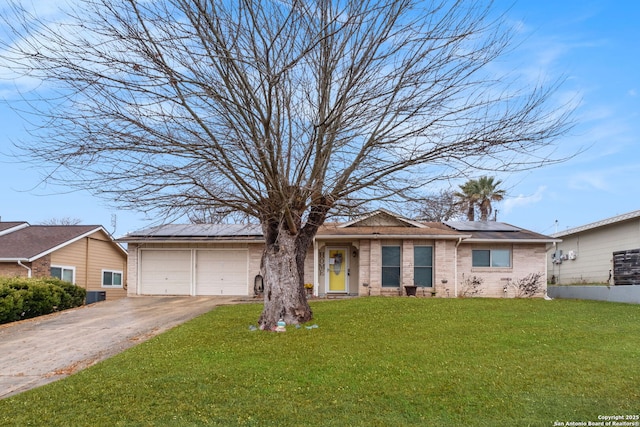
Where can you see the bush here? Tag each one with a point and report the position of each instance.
(11, 300)
(73, 296)
(528, 286)
(22, 298)
(471, 286)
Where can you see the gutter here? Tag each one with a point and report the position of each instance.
(28, 269)
(513, 240)
(391, 236)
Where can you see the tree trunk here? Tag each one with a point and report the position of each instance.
(471, 212)
(283, 272)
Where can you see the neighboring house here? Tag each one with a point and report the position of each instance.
(85, 255)
(377, 254)
(585, 254)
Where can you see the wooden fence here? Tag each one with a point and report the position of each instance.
(626, 267)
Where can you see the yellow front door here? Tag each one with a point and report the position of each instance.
(337, 270)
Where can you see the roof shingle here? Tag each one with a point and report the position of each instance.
(36, 240)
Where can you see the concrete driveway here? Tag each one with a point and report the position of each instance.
(45, 349)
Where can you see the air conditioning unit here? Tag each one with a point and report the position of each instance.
(572, 255)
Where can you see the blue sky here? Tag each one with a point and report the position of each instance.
(594, 44)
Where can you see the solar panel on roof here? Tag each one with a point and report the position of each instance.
(202, 230)
(480, 226)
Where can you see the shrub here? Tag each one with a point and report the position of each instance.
(471, 286)
(73, 296)
(22, 298)
(10, 303)
(528, 286)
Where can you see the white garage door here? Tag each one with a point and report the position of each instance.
(165, 272)
(221, 272)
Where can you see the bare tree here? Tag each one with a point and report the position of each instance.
(216, 215)
(67, 220)
(277, 109)
(441, 206)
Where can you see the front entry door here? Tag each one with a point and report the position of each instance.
(337, 269)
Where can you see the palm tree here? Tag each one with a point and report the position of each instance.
(480, 192)
(469, 196)
(487, 192)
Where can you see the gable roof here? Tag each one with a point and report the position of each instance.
(431, 230)
(31, 242)
(384, 217)
(608, 221)
(491, 231)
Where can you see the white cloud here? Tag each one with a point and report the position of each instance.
(591, 180)
(632, 92)
(607, 179)
(522, 200)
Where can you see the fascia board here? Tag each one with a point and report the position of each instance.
(392, 236)
(471, 240)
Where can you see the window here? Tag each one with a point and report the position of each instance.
(491, 258)
(391, 266)
(111, 279)
(423, 266)
(63, 273)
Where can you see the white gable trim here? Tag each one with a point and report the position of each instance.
(75, 239)
(383, 211)
(597, 224)
(16, 228)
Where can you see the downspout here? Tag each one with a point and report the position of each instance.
(28, 269)
(455, 268)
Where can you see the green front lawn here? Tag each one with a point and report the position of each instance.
(371, 362)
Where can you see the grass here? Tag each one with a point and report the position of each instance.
(371, 362)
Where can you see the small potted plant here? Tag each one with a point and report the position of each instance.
(410, 290)
(309, 288)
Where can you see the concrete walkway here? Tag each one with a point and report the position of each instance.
(38, 351)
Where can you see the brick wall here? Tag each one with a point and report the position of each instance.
(12, 269)
(41, 267)
(444, 267)
(526, 259)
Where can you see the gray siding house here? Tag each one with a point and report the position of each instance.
(585, 254)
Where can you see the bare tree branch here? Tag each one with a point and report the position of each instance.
(277, 110)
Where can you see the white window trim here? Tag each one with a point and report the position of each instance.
(65, 267)
(112, 286)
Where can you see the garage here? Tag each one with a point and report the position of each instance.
(165, 272)
(194, 259)
(221, 272)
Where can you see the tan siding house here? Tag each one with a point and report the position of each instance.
(86, 255)
(585, 253)
(378, 254)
